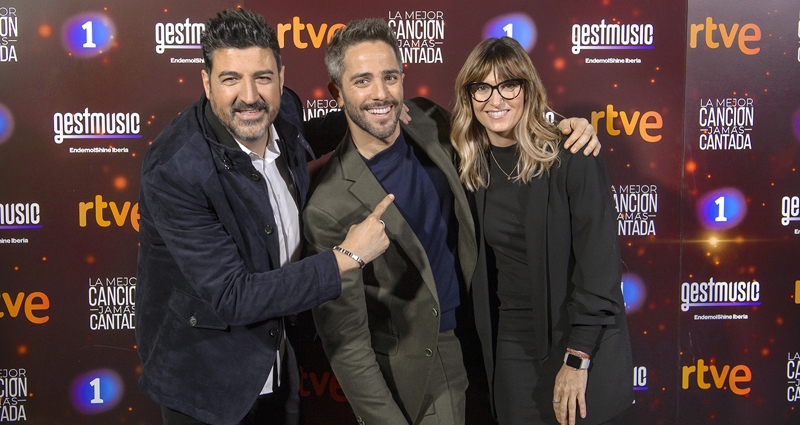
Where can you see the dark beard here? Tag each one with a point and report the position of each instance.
(357, 113)
(242, 106)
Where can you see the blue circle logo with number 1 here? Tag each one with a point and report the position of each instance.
(518, 26)
(88, 34)
(97, 391)
(722, 209)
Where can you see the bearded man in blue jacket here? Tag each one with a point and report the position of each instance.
(220, 265)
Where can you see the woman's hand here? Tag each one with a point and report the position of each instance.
(569, 391)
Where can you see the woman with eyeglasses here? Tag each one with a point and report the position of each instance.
(547, 291)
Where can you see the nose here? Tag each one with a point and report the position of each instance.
(495, 98)
(380, 90)
(249, 91)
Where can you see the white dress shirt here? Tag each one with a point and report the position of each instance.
(287, 220)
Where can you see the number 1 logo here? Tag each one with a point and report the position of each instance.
(97, 391)
(518, 26)
(721, 209)
(89, 44)
(95, 383)
(88, 35)
(720, 202)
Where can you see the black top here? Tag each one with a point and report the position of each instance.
(504, 229)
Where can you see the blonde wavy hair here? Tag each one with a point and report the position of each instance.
(537, 139)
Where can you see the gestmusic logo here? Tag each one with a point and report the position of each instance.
(20, 216)
(96, 125)
(612, 36)
(181, 35)
(720, 294)
(790, 209)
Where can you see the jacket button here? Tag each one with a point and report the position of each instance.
(254, 176)
(193, 321)
(428, 352)
(434, 312)
(273, 332)
(268, 229)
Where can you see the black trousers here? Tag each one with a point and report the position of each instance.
(523, 386)
(269, 409)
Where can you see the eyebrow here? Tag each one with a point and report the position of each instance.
(369, 74)
(239, 74)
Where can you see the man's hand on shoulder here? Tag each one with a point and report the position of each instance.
(581, 133)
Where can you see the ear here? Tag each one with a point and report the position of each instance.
(336, 94)
(280, 77)
(206, 83)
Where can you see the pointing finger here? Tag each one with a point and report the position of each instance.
(382, 206)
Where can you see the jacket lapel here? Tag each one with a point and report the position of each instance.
(366, 188)
(536, 246)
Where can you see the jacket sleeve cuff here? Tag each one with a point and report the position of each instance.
(330, 282)
(584, 338)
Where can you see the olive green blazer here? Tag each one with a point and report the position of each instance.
(380, 333)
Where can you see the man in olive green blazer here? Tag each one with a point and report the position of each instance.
(381, 334)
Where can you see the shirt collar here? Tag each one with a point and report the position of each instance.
(273, 150)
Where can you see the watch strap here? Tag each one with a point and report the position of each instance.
(576, 362)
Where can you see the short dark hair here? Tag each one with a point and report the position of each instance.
(356, 32)
(238, 29)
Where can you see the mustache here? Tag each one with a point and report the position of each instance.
(239, 106)
(381, 104)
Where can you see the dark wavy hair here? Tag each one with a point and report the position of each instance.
(238, 29)
(356, 32)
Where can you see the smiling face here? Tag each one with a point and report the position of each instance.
(499, 116)
(372, 94)
(244, 88)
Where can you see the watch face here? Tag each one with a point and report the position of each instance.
(574, 361)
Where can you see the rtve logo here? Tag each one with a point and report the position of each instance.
(315, 35)
(646, 124)
(742, 34)
(734, 377)
(119, 214)
(33, 302)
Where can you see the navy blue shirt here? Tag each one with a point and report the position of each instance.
(423, 196)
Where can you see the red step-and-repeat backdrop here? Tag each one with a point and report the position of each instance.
(696, 103)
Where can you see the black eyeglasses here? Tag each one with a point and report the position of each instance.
(508, 89)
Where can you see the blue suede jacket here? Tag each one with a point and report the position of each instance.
(210, 292)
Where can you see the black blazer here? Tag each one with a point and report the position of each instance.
(574, 263)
